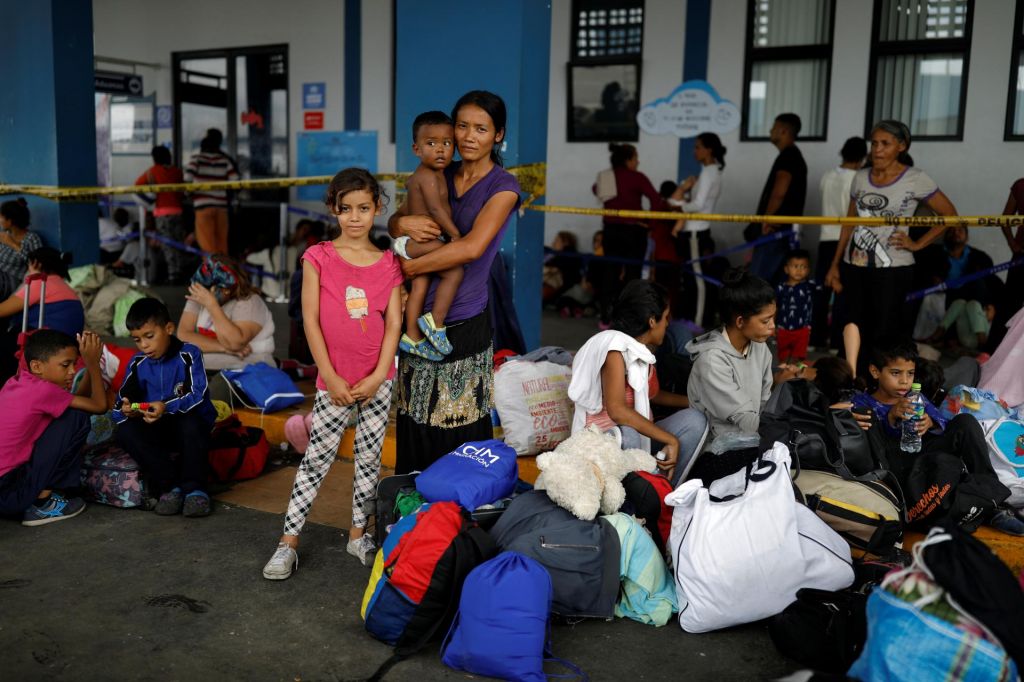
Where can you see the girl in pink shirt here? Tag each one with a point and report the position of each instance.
(352, 313)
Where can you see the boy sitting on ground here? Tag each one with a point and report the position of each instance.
(434, 143)
(43, 426)
(892, 368)
(164, 407)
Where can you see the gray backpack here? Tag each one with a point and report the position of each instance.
(581, 556)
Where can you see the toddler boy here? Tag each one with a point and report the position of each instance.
(434, 143)
(795, 297)
(43, 426)
(164, 407)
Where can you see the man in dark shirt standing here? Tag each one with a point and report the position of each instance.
(783, 194)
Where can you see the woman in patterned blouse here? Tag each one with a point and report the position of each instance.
(16, 242)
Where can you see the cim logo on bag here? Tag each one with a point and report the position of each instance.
(484, 456)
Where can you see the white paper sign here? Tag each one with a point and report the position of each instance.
(691, 109)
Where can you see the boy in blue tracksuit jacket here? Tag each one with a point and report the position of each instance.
(164, 407)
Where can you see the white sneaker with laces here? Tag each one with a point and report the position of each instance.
(363, 548)
(284, 562)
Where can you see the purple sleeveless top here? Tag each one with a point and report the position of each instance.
(471, 299)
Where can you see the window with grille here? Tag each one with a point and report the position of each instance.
(1015, 101)
(788, 65)
(919, 57)
(607, 30)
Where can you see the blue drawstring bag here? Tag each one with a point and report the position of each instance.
(501, 629)
(473, 474)
(262, 387)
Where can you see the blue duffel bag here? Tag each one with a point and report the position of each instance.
(262, 387)
(474, 474)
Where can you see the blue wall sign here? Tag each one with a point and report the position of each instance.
(165, 116)
(327, 152)
(314, 95)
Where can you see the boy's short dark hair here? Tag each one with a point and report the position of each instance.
(146, 310)
(667, 188)
(161, 155)
(429, 118)
(798, 254)
(887, 350)
(43, 344)
(791, 121)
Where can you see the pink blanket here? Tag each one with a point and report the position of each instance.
(1004, 373)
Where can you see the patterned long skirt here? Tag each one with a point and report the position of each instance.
(442, 405)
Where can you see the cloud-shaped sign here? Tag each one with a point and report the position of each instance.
(691, 109)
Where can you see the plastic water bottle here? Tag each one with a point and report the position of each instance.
(910, 440)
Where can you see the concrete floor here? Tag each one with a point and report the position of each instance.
(128, 595)
(123, 594)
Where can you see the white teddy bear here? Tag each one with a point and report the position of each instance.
(584, 473)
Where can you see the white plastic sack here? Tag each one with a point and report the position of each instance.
(533, 404)
(743, 559)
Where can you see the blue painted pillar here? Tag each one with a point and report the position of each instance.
(353, 62)
(695, 67)
(47, 119)
(502, 46)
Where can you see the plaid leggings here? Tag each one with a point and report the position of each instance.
(329, 422)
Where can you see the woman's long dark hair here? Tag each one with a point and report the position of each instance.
(49, 261)
(743, 295)
(639, 301)
(621, 153)
(495, 108)
(714, 144)
(16, 210)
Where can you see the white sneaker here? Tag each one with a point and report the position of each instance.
(364, 549)
(284, 562)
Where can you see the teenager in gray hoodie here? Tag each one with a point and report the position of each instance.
(732, 366)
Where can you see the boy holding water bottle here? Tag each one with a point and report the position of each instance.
(915, 435)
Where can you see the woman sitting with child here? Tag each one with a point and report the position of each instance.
(614, 383)
(225, 317)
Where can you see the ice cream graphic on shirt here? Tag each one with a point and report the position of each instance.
(358, 306)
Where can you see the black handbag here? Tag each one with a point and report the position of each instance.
(822, 438)
(822, 630)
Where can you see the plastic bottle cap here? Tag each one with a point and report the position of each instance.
(915, 387)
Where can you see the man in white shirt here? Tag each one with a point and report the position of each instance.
(835, 201)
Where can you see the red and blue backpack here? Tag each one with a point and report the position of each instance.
(417, 576)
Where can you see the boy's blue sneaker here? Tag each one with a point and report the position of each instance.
(170, 503)
(1007, 521)
(197, 503)
(57, 508)
(438, 336)
(421, 349)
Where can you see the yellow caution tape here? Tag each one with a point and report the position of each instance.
(893, 221)
(533, 181)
